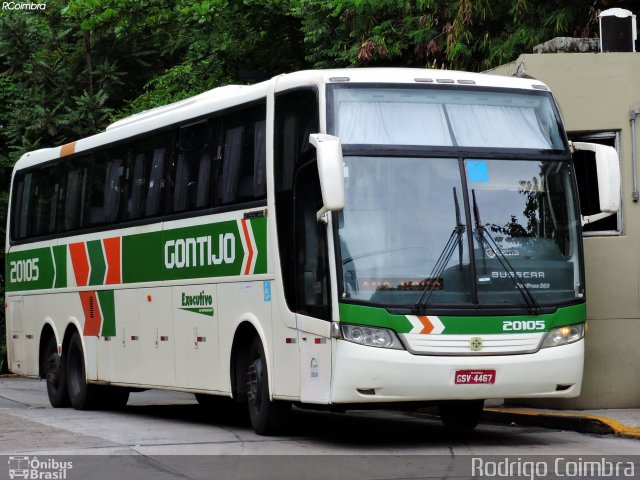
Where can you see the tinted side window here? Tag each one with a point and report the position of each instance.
(146, 177)
(77, 177)
(240, 157)
(43, 209)
(192, 166)
(20, 205)
(107, 181)
(296, 117)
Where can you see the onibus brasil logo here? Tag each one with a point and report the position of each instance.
(33, 468)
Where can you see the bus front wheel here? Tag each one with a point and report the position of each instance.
(267, 416)
(83, 396)
(461, 415)
(56, 375)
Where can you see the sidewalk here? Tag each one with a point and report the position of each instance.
(618, 422)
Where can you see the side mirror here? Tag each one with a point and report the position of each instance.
(330, 170)
(608, 172)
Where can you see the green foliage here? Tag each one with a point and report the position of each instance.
(460, 34)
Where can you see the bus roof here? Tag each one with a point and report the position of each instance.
(231, 95)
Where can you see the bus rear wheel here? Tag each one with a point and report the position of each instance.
(267, 416)
(83, 396)
(461, 415)
(56, 375)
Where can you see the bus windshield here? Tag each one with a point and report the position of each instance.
(454, 117)
(401, 213)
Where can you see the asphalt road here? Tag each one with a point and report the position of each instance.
(157, 423)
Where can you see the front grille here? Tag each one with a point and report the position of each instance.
(501, 344)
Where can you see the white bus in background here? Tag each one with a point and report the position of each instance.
(329, 239)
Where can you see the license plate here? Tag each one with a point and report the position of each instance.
(475, 377)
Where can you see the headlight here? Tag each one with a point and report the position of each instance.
(564, 335)
(371, 336)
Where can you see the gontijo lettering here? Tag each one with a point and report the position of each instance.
(199, 251)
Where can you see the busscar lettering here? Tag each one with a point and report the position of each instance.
(199, 251)
(517, 274)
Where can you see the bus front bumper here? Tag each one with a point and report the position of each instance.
(370, 375)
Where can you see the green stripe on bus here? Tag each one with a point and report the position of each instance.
(108, 310)
(97, 262)
(487, 325)
(374, 316)
(259, 227)
(379, 317)
(142, 257)
(60, 262)
(213, 250)
(201, 251)
(30, 270)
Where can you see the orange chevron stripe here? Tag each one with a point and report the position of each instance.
(247, 237)
(80, 263)
(428, 326)
(92, 315)
(112, 252)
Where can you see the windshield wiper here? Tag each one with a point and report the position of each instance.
(432, 280)
(486, 239)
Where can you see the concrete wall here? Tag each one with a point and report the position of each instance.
(596, 91)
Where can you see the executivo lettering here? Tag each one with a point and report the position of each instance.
(200, 251)
(199, 300)
(199, 303)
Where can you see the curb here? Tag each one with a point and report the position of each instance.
(583, 423)
(9, 375)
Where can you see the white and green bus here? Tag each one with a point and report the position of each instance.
(328, 239)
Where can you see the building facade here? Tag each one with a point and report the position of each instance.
(599, 99)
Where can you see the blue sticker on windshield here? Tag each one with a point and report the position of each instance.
(477, 171)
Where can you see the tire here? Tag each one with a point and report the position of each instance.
(267, 416)
(461, 415)
(83, 396)
(56, 376)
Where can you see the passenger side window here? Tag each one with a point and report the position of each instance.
(45, 192)
(77, 178)
(20, 212)
(241, 157)
(215, 162)
(146, 177)
(192, 168)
